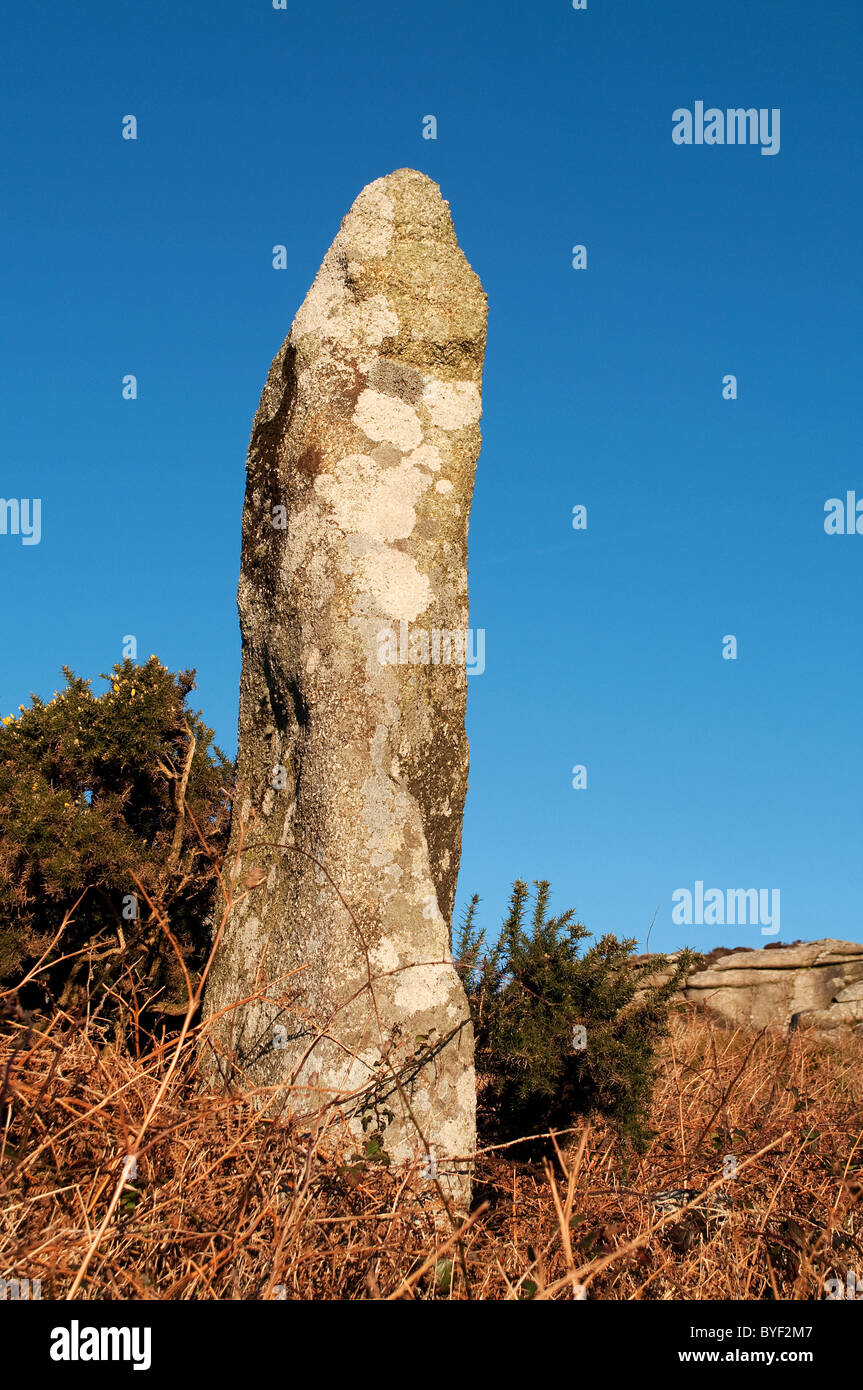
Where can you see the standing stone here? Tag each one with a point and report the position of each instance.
(352, 750)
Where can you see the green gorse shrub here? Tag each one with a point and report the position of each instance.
(562, 1032)
(113, 809)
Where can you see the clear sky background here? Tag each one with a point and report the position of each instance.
(602, 387)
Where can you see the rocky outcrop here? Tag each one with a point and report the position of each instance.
(816, 984)
(353, 759)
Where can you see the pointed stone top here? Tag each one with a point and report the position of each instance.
(396, 280)
(415, 201)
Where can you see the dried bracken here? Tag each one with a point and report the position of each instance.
(751, 1189)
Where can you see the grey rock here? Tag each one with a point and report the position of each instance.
(815, 984)
(367, 436)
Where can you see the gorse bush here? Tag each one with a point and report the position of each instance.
(113, 809)
(561, 1033)
(114, 817)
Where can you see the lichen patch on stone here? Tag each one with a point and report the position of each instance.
(452, 404)
(393, 579)
(367, 230)
(426, 456)
(388, 419)
(370, 502)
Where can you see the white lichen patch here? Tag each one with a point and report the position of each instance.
(384, 956)
(375, 319)
(393, 580)
(388, 419)
(451, 404)
(426, 456)
(394, 872)
(431, 911)
(443, 486)
(368, 501)
(357, 326)
(419, 989)
(367, 230)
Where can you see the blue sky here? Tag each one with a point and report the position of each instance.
(603, 387)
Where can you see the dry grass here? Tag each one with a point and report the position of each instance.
(230, 1204)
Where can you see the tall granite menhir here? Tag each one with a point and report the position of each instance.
(352, 750)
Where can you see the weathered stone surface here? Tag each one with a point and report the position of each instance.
(810, 983)
(367, 436)
(807, 984)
